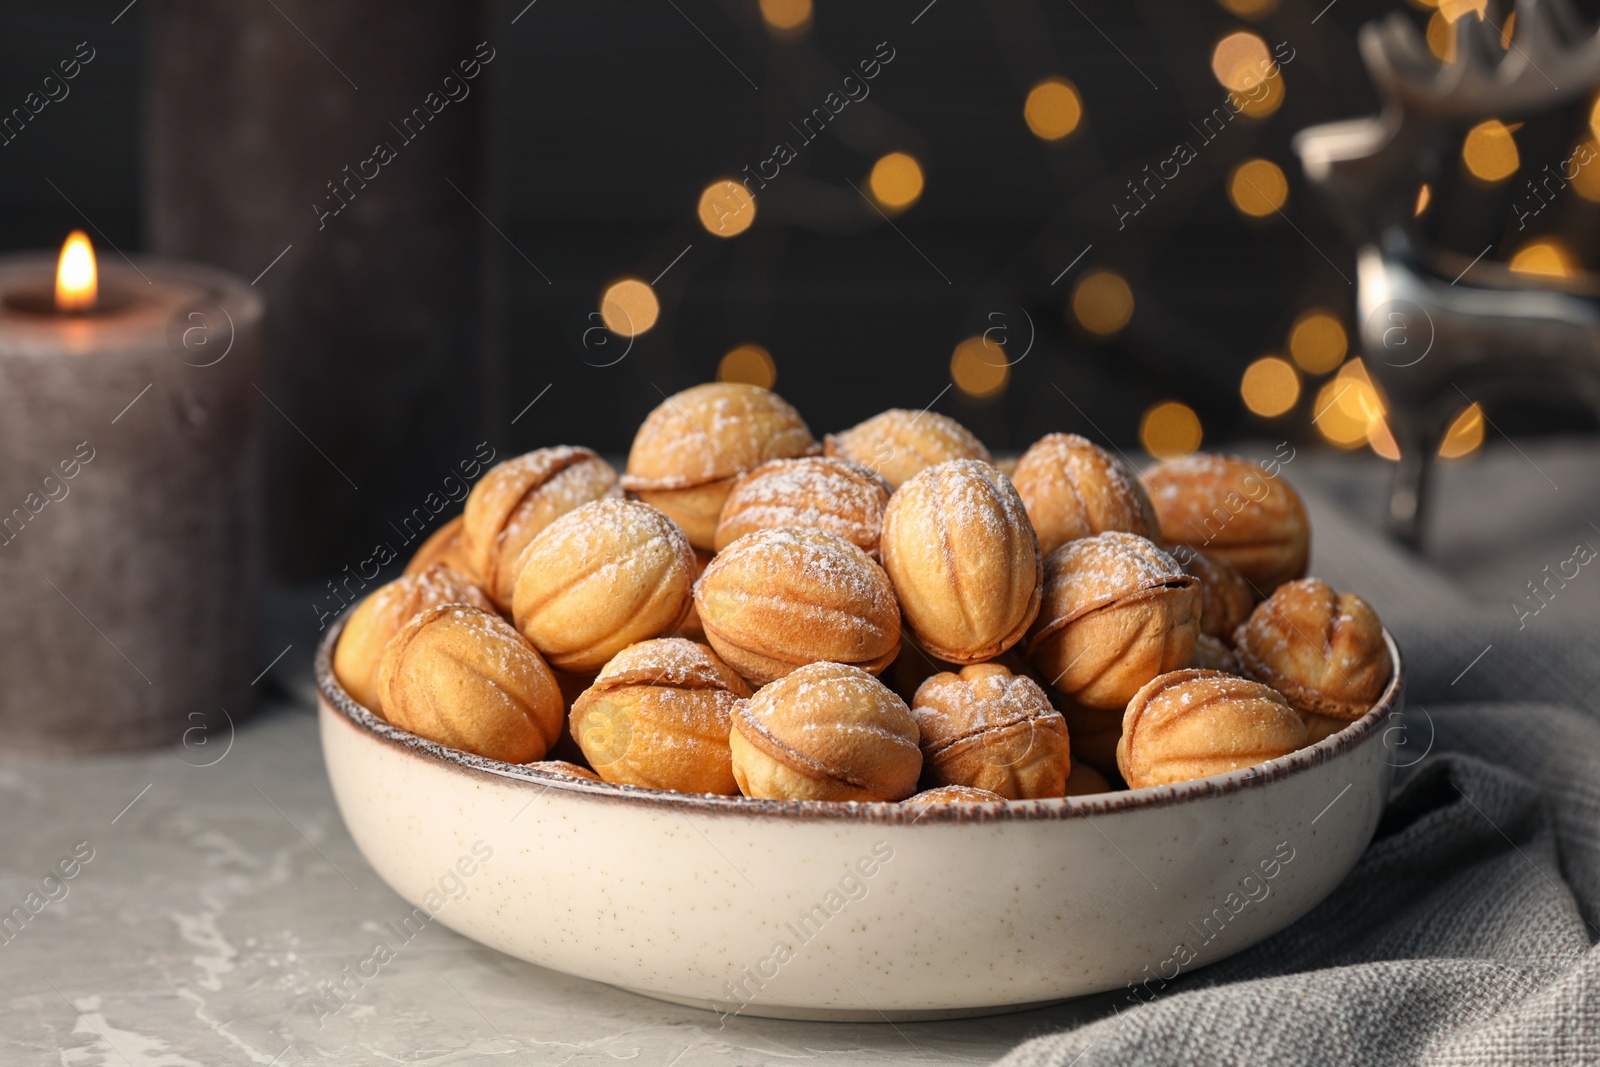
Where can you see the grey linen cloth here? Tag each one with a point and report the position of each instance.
(1466, 933)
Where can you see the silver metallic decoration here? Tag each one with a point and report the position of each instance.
(1439, 330)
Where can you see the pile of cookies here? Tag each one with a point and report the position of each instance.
(746, 612)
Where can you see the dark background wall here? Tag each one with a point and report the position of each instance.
(611, 117)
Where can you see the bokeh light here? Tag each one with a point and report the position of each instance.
(1249, 9)
(896, 181)
(1240, 60)
(749, 365)
(1441, 35)
(1170, 429)
(1258, 187)
(1490, 152)
(1350, 412)
(726, 208)
(629, 307)
(1263, 100)
(1465, 434)
(1053, 109)
(1424, 198)
(978, 367)
(1546, 256)
(1270, 386)
(1317, 341)
(1102, 302)
(786, 15)
(1586, 178)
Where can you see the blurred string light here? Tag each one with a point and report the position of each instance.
(896, 181)
(1258, 187)
(1465, 434)
(629, 307)
(978, 368)
(726, 208)
(1102, 302)
(1586, 181)
(1170, 429)
(1317, 341)
(1249, 9)
(1490, 152)
(1053, 109)
(1545, 255)
(749, 365)
(1350, 412)
(1270, 386)
(786, 16)
(1424, 198)
(1240, 60)
(1266, 98)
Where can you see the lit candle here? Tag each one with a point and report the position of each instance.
(127, 500)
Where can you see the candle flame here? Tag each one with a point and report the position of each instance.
(77, 281)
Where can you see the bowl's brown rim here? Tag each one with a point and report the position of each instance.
(1329, 748)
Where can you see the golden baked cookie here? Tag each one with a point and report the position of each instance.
(1072, 488)
(819, 492)
(520, 497)
(1212, 655)
(778, 599)
(601, 578)
(445, 545)
(1086, 781)
(1321, 649)
(1194, 723)
(955, 794)
(899, 444)
(1225, 597)
(1117, 612)
(659, 715)
(463, 677)
(695, 444)
(825, 732)
(964, 560)
(565, 769)
(1234, 510)
(991, 729)
(380, 616)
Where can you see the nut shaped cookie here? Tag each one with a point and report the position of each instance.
(899, 444)
(601, 578)
(964, 561)
(819, 492)
(1193, 724)
(695, 444)
(380, 616)
(1321, 649)
(990, 729)
(1225, 597)
(778, 599)
(1072, 488)
(1117, 612)
(825, 732)
(445, 545)
(1235, 510)
(955, 794)
(658, 715)
(520, 497)
(463, 677)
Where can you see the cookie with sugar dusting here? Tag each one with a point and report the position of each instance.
(900, 444)
(1117, 611)
(819, 492)
(1073, 488)
(990, 729)
(777, 599)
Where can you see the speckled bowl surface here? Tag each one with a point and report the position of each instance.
(855, 911)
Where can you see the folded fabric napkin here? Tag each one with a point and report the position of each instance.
(1466, 934)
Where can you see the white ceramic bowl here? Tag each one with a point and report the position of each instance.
(855, 911)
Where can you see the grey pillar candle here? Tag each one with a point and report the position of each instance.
(128, 538)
